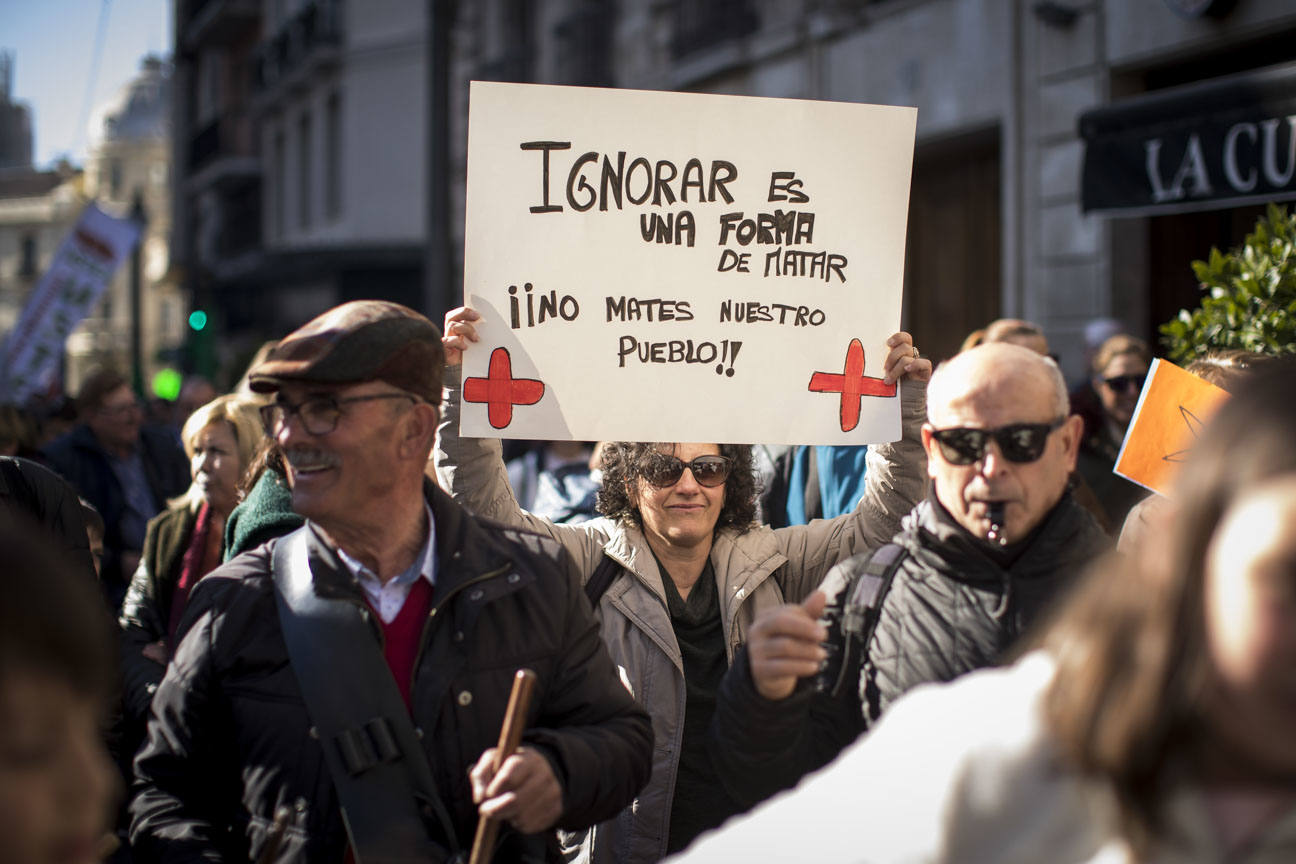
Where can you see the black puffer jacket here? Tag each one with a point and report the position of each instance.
(229, 737)
(951, 608)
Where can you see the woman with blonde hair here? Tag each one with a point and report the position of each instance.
(183, 543)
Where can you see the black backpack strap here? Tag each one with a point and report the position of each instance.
(601, 579)
(859, 612)
(378, 766)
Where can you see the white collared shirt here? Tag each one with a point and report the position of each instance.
(387, 599)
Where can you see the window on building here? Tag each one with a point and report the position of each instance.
(208, 89)
(304, 171)
(699, 26)
(115, 179)
(333, 157)
(27, 266)
(278, 204)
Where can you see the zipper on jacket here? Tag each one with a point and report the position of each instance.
(436, 607)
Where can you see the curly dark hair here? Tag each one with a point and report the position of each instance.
(621, 467)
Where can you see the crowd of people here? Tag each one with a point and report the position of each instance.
(923, 650)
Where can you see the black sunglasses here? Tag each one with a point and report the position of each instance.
(1125, 382)
(1018, 442)
(662, 470)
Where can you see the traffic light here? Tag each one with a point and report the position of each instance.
(197, 320)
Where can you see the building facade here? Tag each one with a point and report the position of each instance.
(302, 145)
(37, 209)
(129, 161)
(998, 224)
(15, 122)
(324, 142)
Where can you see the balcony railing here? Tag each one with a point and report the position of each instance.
(318, 26)
(230, 135)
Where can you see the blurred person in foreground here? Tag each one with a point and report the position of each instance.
(1119, 368)
(999, 540)
(57, 785)
(182, 545)
(677, 570)
(1152, 722)
(127, 470)
(264, 705)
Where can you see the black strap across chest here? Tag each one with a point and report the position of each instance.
(379, 767)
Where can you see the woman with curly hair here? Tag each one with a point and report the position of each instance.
(678, 570)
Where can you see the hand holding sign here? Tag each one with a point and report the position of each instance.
(460, 329)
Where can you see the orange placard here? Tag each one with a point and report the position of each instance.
(1171, 411)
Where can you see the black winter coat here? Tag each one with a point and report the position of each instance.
(951, 608)
(229, 736)
(30, 491)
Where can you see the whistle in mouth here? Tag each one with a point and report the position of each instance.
(996, 532)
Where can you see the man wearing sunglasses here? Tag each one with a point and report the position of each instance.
(352, 676)
(998, 538)
(678, 570)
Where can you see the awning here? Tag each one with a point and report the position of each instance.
(1220, 143)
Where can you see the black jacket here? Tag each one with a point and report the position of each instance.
(146, 611)
(83, 462)
(951, 608)
(229, 737)
(30, 491)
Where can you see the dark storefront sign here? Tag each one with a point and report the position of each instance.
(1217, 144)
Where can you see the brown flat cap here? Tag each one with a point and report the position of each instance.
(365, 340)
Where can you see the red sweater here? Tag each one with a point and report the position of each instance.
(401, 636)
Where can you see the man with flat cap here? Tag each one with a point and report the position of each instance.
(338, 692)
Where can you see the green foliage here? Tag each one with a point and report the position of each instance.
(1249, 296)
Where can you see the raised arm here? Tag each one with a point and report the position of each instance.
(472, 470)
(894, 483)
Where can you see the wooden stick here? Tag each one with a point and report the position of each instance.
(510, 734)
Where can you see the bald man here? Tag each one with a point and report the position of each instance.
(974, 565)
(1017, 332)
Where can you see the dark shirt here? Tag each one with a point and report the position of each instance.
(140, 506)
(700, 801)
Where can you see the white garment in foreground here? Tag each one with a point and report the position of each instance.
(962, 772)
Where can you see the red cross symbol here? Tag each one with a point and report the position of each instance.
(501, 391)
(851, 384)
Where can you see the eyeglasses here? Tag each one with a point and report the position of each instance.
(121, 408)
(1018, 442)
(662, 470)
(1125, 382)
(319, 414)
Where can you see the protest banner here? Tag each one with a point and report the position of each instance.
(80, 270)
(656, 266)
(1171, 411)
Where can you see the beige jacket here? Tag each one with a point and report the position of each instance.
(755, 570)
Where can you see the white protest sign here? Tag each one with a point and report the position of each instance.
(657, 266)
(82, 267)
